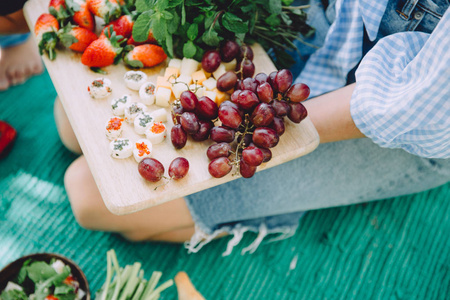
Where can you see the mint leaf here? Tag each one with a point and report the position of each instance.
(275, 6)
(169, 45)
(144, 5)
(189, 49)
(211, 38)
(141, 27)
(40, 271)
(162, 4)
(159, 28)
(234, 24)
(273, 20)
(174, 3)
(166, 15)
(192, 32)
(174, 24)
(13, 295)
(63, 289)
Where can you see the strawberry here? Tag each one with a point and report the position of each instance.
(122, 26)
(45, 29)
(76, 38)
(145, 56)
(83, 17)
(59, 10)
(7, 137)
(103, 52)
(150, 40)
(106, 9)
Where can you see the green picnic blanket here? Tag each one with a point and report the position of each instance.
(394, 249)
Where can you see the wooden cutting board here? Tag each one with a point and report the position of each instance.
(122, 188)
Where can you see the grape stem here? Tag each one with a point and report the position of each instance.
(165, 183)
(240, 145)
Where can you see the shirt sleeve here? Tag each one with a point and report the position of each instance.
(9, 6)
(402, 93)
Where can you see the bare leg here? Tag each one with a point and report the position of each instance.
(170, 221)
(18, 63)
(65, 130)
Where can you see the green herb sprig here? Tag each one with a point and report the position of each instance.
(187, 28)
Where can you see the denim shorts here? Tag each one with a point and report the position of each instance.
(335, 174)
(13, 40)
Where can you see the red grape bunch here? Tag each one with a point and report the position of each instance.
(153, 170)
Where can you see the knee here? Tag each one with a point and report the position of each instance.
(64, 128)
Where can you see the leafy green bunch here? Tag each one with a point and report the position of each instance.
(188, 28)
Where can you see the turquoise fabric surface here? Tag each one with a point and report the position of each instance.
(395, 249)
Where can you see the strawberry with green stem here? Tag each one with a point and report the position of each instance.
(122, 26)
(60, 10)
(106, 9)
(46, 28)
(76, 38)
(104, 51)
(145, 56)
(82, 16)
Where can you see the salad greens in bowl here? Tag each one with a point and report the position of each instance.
(43, 276)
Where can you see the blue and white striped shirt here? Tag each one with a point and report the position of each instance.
(402, 93)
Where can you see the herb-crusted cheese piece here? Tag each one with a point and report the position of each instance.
(121, 148)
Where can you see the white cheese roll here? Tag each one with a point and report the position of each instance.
(159, 115)
(142, 121)
(156, 132)
(121, 148)
(132, 110)
(100, 88)
(134, 79)
(142, 149)
(147, 93)
(114, 128)
(118, 105)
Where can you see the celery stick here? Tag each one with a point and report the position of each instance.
(152, 282)
(118, 275)
(139, 290)
(108, 276)
(132, 282)
(160, 288)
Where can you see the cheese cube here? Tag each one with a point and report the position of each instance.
(163, 82)
(178, 88)
(187, 79)
(221, 97)
(200, 90)
(210, 84)
(220, 71)
(175, 63)
(163, 96)
(188, 66)
(172, 72)
(211, 95)
(230, 66)
(198, 77)
(159, 115)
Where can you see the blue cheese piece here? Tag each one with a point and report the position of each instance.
(118, 105)
(121, 148)
(142, 121)
(134, 79)
(114, 128)
(132, 110)
(142, 149)
(147, 93)
(159, 115)
(100, 88)
(156, 132)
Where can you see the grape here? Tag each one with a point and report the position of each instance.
(211, 61)
(265, 92)
(178, 168)
(203, 133)
(298, 92)
(265, 137)
(252, 156)
(219, 167)
(151, 169)
(177, 110)
(189, 122)
(178, 136)
(206, 108)
(271, 78)
(188, 100)
(246, 170)
(245, 52)
(249, 84)
(221, 134)
(218, 150)
(261, 78)
(229, 50)
(227, 81)
(298, 112)
(245, 68)
(229, 116)
(235, 95)
(267, 154)
(278, 125)
(262, 115)
(281, 107)
(247, 100)
(282, 81)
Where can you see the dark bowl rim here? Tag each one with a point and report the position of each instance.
(45, 256)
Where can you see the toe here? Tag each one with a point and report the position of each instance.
(4, 83)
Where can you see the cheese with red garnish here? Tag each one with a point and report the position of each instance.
(100, 88)
(114, 128)
(156, 132)
(142, 148)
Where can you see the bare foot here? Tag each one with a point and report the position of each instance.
(18, 63)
